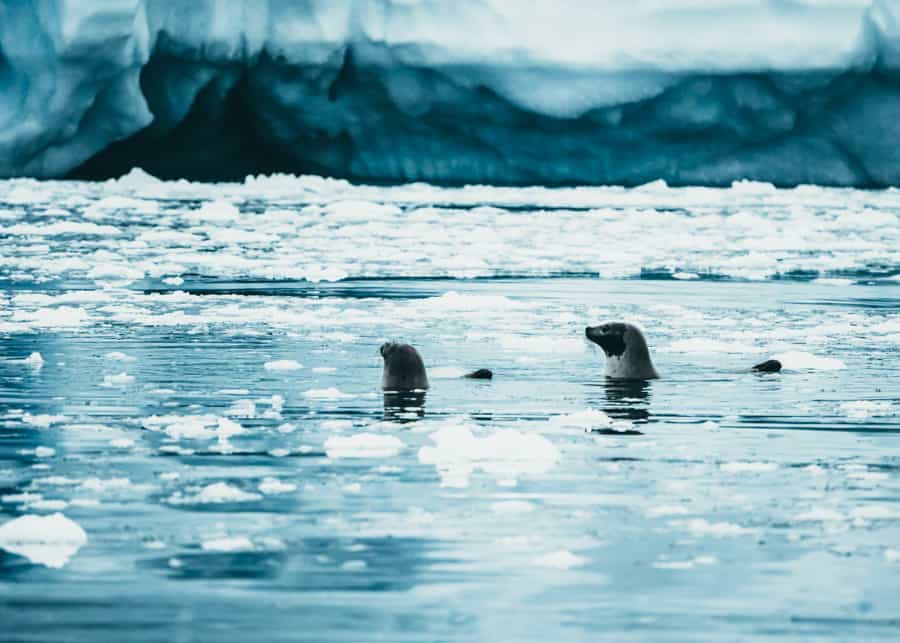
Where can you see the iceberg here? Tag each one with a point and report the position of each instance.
(474, 91)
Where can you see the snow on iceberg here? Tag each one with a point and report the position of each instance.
(690, 92)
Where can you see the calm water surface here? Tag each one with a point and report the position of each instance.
(208, 413)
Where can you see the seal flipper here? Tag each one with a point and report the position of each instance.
(480, 374)
(769, 366)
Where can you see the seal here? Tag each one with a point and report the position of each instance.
(769, 366)
(627, 355)
(404, 369)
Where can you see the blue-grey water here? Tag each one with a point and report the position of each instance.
(202, 451)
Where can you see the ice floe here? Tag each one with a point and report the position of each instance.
(363, 445)
(45, 540)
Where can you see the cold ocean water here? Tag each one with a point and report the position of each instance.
(194, 445)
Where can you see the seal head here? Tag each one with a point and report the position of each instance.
(627, 355)
(404, 369)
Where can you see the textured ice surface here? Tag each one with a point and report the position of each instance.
(691, 92)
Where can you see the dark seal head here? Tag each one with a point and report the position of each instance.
(404, 369)
(769, 366)
(627, 355)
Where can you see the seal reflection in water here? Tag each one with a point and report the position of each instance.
(404, 382)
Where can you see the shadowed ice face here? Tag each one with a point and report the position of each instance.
(403, 368)
(627, 355)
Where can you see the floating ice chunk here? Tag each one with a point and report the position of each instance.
(324, 369)
(122, 443)
(892, 555)
(363, 445)
(58, 317)
(44, 540)
(280, 453)
(686, 276)
(819, 514)
(747, 467)
(685, 564)
(666, 510)
(513, 507)
(34, 361)
(875, 512)
(101, 485)
(115, 272)
(173, 281)
(562, 559)
(867, 408)
(194, 427)
(504, 453)
(802, 361)
(236, 543)
(701, 527)
(282, 365)
(545, 344)
(273, 486)
(704, 345)
(587, 419)
(352, 487)
(287, 427)
(44, 452)
(454, 301)
(120, 379)
(119, 356)
(445, 372)
(48, 505)
(219, 210)
(336, 425)
(242, 409)
(327, 394)
(43, 420)
(216, 493)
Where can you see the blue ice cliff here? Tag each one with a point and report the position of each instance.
(488, 91)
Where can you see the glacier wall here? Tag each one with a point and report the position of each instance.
(471, 91)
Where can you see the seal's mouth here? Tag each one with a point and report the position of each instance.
(609, 337)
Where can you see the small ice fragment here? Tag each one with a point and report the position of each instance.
(747, 467)
(173, 281)
(118, 356)
(45, 540)
(273, 486)
(666, 510)
(803, 361)
(363, 445)
(44, 452)
(280, 453)
(242, 409)
(287, 427)
(122, 443)
(282, 365)
(43, 420)
(237, 543)
(34, 360)
(513, 507)
(702, 527)
(819, 514)
(354, 565)
(336, 425)
(892, 555)
(562, 559)
(327, 394)
(867, 408)
(324, 369)
(121, 379)
(216, 493)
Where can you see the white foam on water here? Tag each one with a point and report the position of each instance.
(45, 540)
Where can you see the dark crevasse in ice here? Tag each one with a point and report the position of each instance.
(476, 92)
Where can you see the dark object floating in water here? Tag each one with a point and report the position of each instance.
(769, 366)
(480, 374)
(616, 432)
